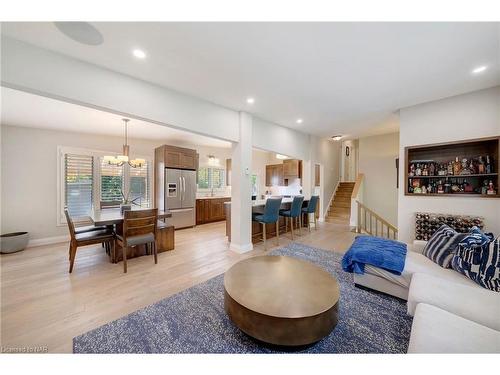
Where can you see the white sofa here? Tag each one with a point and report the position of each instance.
(452, 314)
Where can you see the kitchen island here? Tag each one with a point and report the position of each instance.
(258, 207)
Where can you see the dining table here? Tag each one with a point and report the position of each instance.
(114, 217)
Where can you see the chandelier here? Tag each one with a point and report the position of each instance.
(120, 160)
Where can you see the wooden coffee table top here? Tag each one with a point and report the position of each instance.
(281, 286)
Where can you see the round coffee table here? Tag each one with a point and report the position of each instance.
(281, 300)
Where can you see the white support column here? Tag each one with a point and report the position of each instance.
(241, 188)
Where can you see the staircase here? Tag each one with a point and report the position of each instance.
(340, 208)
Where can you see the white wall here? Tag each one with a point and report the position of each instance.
(259, 161)
(462, 117)
(349, 164)
(276, 138)
(377, 157)
(29, 173)
(326, 153)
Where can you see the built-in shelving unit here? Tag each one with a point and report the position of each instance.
(433, 170)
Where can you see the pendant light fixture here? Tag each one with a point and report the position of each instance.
(119, 160)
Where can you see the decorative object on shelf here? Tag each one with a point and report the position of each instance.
(120, 160)
(491, 189)
(127, 203)
(13, 242)
(427, 223)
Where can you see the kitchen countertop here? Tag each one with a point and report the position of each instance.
(262, 202)
(214, 197)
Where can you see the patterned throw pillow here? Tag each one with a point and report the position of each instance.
(442, 245)
(478, 258)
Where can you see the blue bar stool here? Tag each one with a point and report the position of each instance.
(311, 209)
(271, 215)
(293, 212)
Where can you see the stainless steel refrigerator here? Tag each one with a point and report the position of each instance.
(180, 197)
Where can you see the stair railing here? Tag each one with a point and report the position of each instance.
(357, 195)
(370, 222)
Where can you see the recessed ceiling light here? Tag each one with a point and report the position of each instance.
(281, 156)
(337, 137)
(139, 53)
(299, 121)
(479, 69)
(250, 100)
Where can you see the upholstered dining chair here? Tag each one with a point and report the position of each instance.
(139, 228)
(270, 216)
(86, 238)
(311, 209)
(294, 213)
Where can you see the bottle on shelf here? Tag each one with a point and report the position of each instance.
(418, 170)
(488, 168)
(484, 188)
(447, 186)
(410, 186)
(472, 169)
(450, 169)
(425, 171)
(432, 169)
(480, 166)
(457, 167)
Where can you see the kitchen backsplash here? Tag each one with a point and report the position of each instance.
(292, 189)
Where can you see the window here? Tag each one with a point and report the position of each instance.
(78, 184)
(111, 182)
(255, 184)
(211, 178)
(86, 181)
(139, 185)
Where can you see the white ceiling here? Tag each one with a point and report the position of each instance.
(27, 110)
(346, 78)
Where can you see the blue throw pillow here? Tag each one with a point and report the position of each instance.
(442, 245)
(478, 258)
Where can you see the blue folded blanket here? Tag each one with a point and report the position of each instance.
(379, 252)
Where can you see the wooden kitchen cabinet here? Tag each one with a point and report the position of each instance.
(209, 210)
(274, 175)
(291, 168)
(178, 157)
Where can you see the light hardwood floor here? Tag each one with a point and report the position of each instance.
(44, 306)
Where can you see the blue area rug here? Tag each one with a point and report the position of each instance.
(194, 321)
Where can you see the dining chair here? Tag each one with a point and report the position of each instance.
(294, 213)
(270, 215)
(92, 228)
(139, 228)
(86, 238)
(311, 209)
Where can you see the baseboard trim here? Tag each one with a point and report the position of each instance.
(48, 241)
(240, 249)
